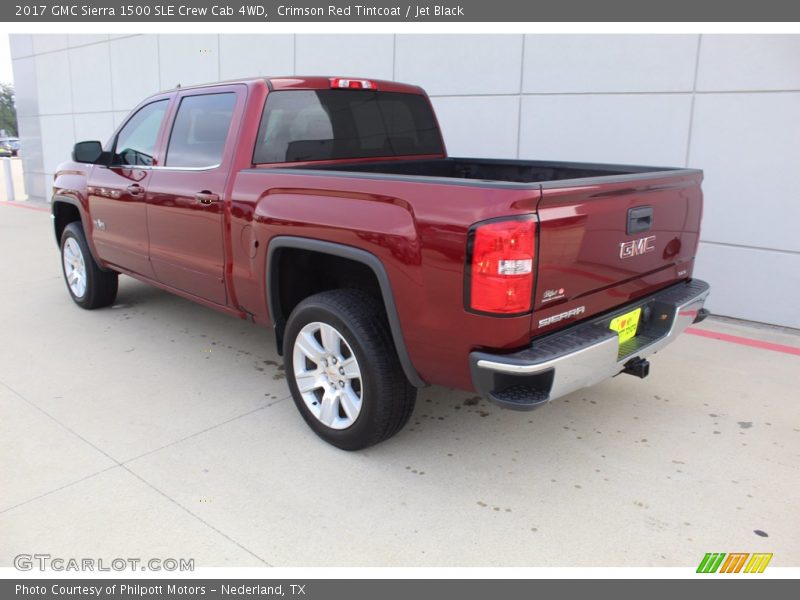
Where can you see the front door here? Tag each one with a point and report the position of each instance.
(116, 193)
(185, 195)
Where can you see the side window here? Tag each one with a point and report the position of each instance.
(200, 130)
(137, 139)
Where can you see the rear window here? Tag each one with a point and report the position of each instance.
(309, 125)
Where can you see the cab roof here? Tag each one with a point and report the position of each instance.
(298, 82)
(324, 83)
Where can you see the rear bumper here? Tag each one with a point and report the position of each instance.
(587, 353)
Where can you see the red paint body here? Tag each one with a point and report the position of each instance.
(418, 228)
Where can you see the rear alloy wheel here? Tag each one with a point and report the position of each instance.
(327, 375)
(343, 370)
(88, 284)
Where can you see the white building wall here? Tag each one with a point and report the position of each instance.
(729, 104)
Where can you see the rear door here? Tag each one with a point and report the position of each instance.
(185, 196)
(116, 193)
(606, 241)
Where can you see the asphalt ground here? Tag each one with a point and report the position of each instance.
(160, 428)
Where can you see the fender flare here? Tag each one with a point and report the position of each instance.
(65, 199)
(355, 254)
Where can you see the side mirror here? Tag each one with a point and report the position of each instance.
(87, 152)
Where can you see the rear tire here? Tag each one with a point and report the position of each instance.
(89, 286)
(343, 370)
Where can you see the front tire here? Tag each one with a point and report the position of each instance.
(343, 370)
(89, 286)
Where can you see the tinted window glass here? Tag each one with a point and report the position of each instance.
(200, 130)
(306, 125)
(137, 139)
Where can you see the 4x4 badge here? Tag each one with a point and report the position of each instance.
(552, 294)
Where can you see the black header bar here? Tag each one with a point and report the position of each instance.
(702, 587)
(420, 11)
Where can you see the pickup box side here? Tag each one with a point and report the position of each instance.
(422, 250)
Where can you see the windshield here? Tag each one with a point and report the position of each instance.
(311, 125)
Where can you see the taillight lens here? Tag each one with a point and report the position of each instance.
(501, 272)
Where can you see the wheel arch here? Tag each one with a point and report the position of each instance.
(349, 253)
(62, 208)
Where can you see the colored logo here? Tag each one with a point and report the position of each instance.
(735, 562)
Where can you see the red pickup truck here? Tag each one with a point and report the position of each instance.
(329, 209)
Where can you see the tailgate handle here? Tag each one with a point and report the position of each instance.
(639, 219)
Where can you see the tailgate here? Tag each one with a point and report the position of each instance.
(610, 240)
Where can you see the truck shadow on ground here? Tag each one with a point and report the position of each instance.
(439, 411)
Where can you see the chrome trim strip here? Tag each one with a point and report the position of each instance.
(165, 168)
(544, 366)
(168, 168)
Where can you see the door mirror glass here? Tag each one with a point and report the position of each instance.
(87, 152)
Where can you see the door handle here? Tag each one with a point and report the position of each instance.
(206, 197)
(135, 189)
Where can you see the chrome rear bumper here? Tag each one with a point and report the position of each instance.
(587, 353)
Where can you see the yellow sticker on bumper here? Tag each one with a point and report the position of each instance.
(626, 325)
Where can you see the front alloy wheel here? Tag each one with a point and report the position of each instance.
(88, 284)
(74, 268)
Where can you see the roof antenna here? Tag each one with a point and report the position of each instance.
(177, 87)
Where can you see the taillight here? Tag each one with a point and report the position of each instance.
(352, 84)
(501, 267)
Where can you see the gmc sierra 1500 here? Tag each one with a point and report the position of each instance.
(329, 209)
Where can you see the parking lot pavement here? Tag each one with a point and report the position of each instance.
(159, 428)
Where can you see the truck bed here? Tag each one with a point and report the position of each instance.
(494, 170)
